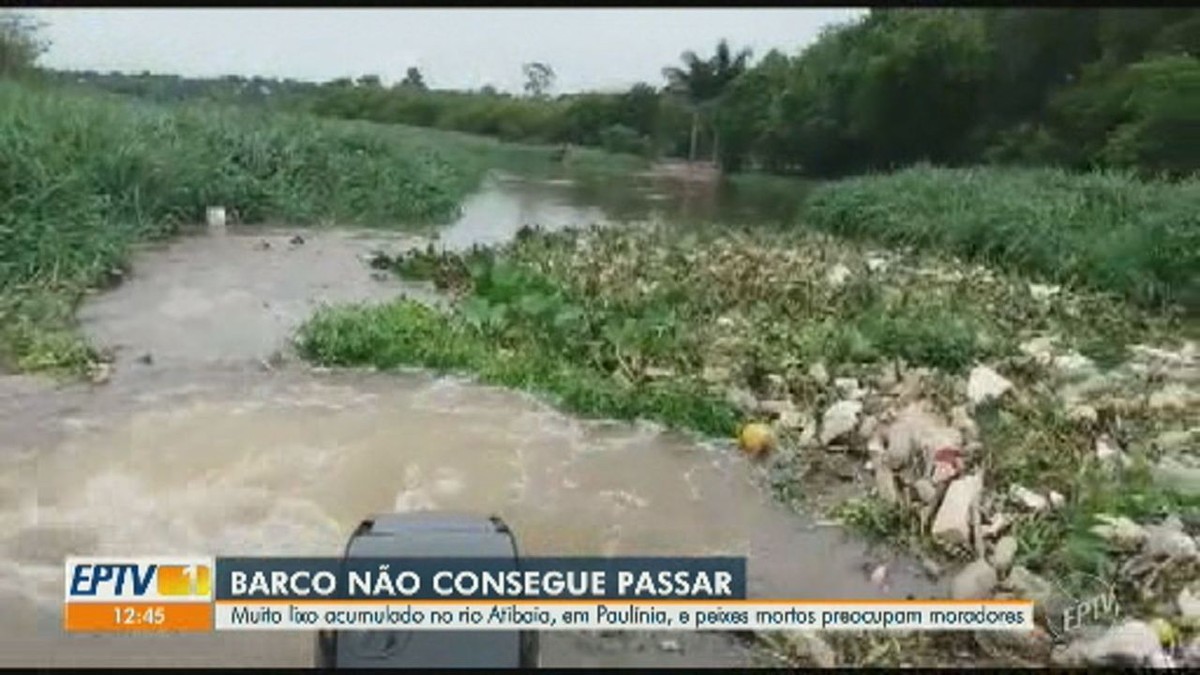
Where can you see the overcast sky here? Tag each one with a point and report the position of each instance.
(454, 48)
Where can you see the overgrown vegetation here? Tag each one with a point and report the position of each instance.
(706, 329)
(84, 176)
(636, 309)
(1108, 231)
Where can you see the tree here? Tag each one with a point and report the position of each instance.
(371, 81)
(747, 111)
(639, 109)
(539, 78)
(413, 80)
(20, 45)
(701, 82)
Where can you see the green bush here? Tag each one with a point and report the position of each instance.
(82, 176)
(1109, 231)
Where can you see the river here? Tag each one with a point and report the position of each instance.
(210, 438)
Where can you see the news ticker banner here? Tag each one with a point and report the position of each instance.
(199, 594)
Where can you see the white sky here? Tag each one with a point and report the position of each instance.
(454, 48)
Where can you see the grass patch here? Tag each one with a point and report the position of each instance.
(625, 312)
(85, 176)
(1106, 231)
(407, 333)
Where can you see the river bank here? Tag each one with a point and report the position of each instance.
(984, 420)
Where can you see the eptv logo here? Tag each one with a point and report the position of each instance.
(160, 579)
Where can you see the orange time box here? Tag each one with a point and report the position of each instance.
(137, 617)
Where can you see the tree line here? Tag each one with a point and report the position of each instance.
(1079, 88)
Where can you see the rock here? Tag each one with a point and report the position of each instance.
(715, 374)
(1172, 397)
(1174, 441)
(1083, 413)
(296, 241)
(1188, 604)
(1028, 498)
(926, 491)
(146, 359)
(100, 373)
(741, 399)
(775, 407)
(998, 524)
(931, 567)
(877, 264)
(380, 276)
(1040, 349)
(840, 419)
(1057, 500)
(1043, 291)
(1165, 356)
(808, 432)
(868, 426)
(1133, 643)
(670, 646)
(985, 384)
(976, 581)
(791, 419)
(918, 428)
(818, 373)
(1165, 541)
(876, 447)
(1030, 647)
(1174, 474)
(911, 384)
(879, 576)
(1004, 553)
(885, 484)
(1120, 531)
(888, 377)
(1072, 364)
(1029, 586)
(961, 420)
(1105, 450)
(848, 388)
(838, 275)
(263, 245)
(808, 648)
(1190, 657)
(655, 373)
(953, 520)
(776, 385)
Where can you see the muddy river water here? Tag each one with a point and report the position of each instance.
(205, 441)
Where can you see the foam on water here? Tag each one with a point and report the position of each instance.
(206, 452)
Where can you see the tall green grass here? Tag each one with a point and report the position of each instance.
(84, 176)
(1108, 231)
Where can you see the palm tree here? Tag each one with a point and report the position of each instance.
(701, 82)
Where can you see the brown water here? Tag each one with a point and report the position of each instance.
(208, 450)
